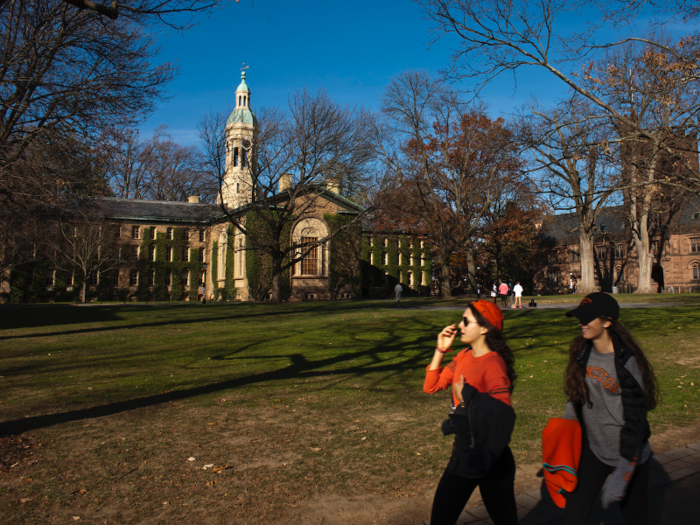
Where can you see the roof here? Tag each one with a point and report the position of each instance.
(561, 227)
(159, 211)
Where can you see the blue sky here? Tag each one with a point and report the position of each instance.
(350, 49)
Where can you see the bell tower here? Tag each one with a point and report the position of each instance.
(241, 137)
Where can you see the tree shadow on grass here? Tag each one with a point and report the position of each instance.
(67, 315)
(299, 368)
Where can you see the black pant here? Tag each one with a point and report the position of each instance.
(497, 490)
(591, 476)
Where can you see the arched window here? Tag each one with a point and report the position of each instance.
(235, 157)
(244, 101)
(314, 260)
(238, 187)
(696, 270)
(244, 158)
(239, 100)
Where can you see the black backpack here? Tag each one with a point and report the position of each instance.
(532, 304)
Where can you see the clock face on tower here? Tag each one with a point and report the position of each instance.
(246, 143)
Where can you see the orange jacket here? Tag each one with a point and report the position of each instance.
(561, 453)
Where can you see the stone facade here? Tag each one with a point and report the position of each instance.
(675, 246)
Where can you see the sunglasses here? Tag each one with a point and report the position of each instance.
(467, 321)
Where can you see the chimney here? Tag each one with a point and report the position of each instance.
(194, 199)
(285, 182)
(331, 185)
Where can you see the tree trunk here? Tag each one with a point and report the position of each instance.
(276, 280)
(446, 288)
(587, 282)
(85, 288)
(646, 259)
(471, 269)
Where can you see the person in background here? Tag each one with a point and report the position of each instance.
(518, 293)
(503, 294)
(610, 387)
(398, 289)
(494, 293)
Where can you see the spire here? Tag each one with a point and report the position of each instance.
(242, 93)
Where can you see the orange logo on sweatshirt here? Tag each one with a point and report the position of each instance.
(600, 375)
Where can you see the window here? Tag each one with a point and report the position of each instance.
(115, 276)
(244, 158)
(185, 254)
(369, 240)
(134, 278)
(602, 252)
(619, 251)
(551, 278)
(620, 274)
(410, 243)
(575, 256)
(151, 277)
(695, 245)
(185, 278)
(309, 264)
(696, 271)
(201, 236)
(135, 232)
(69, 279)
(92, 280)
(168, 277)
(169, 234)
(48, 278)
(410, 260)
(552, 257)
(238, 187)
(134, 253)
(386, 243)
(169, 253)
(152, 253)
(200, 255)
(152, 233)
(695, 216)
(118, 232)
(202, 278)
(384, 258)
(235, 157)
(654, 246)
(409, 279)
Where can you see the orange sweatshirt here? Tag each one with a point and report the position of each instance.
(488, 374)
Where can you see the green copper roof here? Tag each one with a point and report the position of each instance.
(242, 116)
(242, 86)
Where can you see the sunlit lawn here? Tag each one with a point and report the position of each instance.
(292, 400)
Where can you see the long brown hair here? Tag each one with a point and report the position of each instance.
(574, 379)
(497, 343)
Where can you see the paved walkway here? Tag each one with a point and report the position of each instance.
(674, 494)
(554, 306)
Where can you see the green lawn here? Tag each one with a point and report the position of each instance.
(102, 406)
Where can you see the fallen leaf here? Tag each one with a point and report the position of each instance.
(191, 458)
(76, 518)
(315, 449)
(205, 467)
(363, 438)
(25, 500)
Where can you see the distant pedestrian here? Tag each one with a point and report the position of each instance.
(397, 292)
(494, 293)
(518, 292)
(610, 386)
(503, 294)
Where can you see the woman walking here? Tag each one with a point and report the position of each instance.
(481, 375)
(610, 386)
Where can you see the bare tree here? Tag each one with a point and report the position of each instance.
(571, 166)
(314, 145)
(442, 159)
(86, 242)
(157, 168)
(177, 14)
(65, 78)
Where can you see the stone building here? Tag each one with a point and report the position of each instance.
(675, 247)
(192, 250)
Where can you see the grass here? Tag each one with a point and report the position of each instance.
(103, 406)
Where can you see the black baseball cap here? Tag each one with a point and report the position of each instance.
(594, 305)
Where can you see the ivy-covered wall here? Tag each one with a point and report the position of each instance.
(258, 265)
(390, 255)
(345, 250)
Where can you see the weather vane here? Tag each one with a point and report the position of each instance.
(244, 66)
